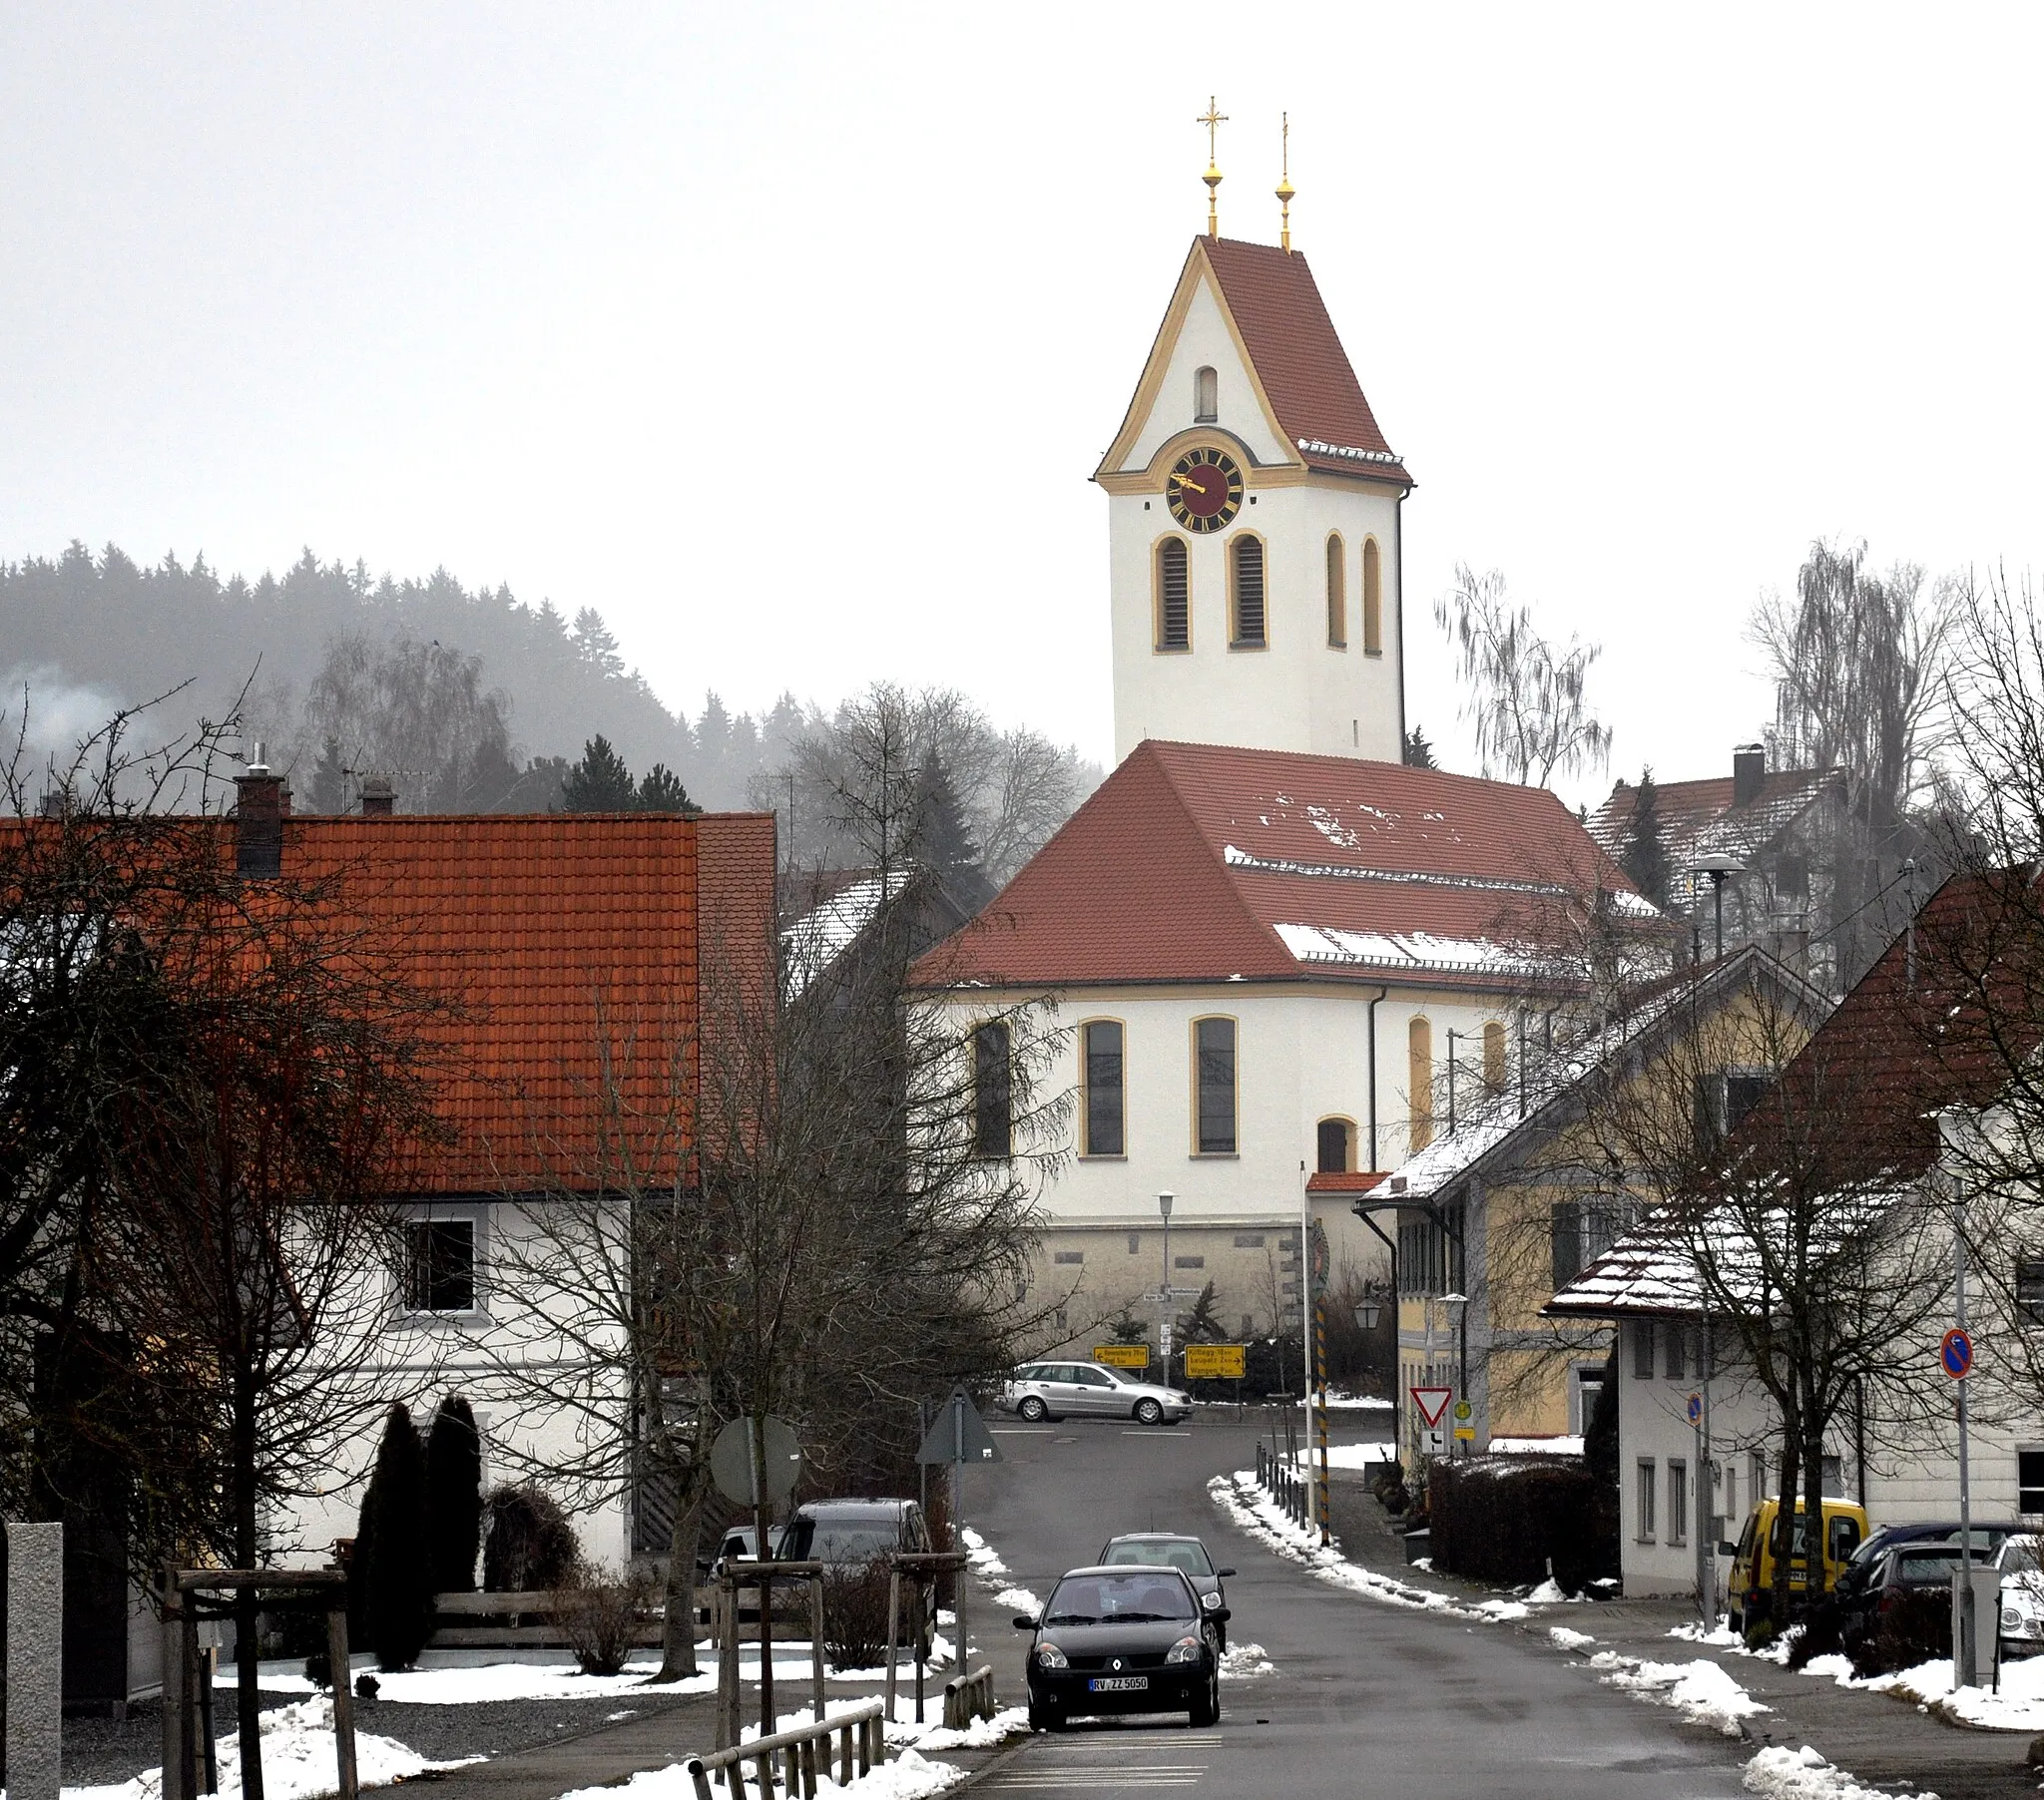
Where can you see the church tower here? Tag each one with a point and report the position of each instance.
(1253, 520)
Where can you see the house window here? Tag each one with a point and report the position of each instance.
(1642, 1349)
(1723, 1099)
(993, 1090)
(1589, 1385)
(1566, 1234)
(1336, 1146)
(1678, 1353)
(1248, 1241)
(1245, 589)
(2030, 1481)
(1644, 1502)
(1372, 599)
(1743, 1093)
(1174, 595)
(1135, 1242)
(2030, 1289)
(1189, 1263)
(1677, 1502)
(1068, 1256)
(439, 1265)
(1205, 396)
(1102, 1039)
(1338, 591)
(1419, 1082)
(1213, 1079)
(1494, 1057)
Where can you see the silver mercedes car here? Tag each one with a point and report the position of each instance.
(1065, 1390)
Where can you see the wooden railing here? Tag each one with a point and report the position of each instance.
(796, 1755)
(969, 1697)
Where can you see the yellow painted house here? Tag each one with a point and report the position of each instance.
(1540, 1175)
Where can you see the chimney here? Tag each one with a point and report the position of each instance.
(379, 798)
(258, 820)
(1748, 771)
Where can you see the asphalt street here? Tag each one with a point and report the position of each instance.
(1367, 1699)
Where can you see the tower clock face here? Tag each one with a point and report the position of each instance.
(1205, 489)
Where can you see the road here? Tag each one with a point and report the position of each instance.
(1367, 1700)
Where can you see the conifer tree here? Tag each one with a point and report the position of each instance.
(1418, 752)
(662, 791)
(399, 1577)
(454, 1496)
(942, 840)
(1645, 856)
(328, 791)
(600, 782)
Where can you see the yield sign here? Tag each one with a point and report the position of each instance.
(1432, 1402)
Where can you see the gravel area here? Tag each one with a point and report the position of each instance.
(99, 1751)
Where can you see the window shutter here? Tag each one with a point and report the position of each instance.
(1249, 589)
(1174, 603)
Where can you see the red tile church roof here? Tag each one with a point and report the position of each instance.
(1203, 863)
(1298, 356)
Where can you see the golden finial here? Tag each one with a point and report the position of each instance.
(1212, 120)
(1285, 188)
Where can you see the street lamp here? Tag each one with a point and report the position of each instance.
(1164, 1291)
(1717, 867)
(1461, 1304)
(1368, 1314)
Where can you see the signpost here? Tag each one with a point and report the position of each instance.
(757, 1461)
(1465, 1431)
(1217, 1362)
(1123, 1356)
(958, 1436)
(1431, 1402)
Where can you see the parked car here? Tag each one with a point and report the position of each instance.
(1853, 1578)
(1121, 1639)
(1063, 1390)
(848, 1534)
(1174, 1550)
(2021, 1563)
(1749, 1588)
(1904, 1570)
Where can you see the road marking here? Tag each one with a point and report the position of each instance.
(1021, 1431)
(1149, 1431)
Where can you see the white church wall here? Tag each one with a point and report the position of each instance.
(1204, 341)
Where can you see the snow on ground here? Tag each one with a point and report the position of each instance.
(1246, 1661)
(1348, 1456)
(1356, 1403)
(1559, 1446)
(297, 1761)
(908, 1776)
(1703, 1691)
(1564, 1639)
(1783, 1774)
(2019, 1706)
(981, 1734)
(982, 1558)
(1718, 1637)
(491, 1681)
(1256, 1514)
(1018, 1599)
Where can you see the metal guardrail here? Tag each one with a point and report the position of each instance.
(969, 1697)
(797, 1754)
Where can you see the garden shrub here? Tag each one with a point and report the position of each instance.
(597, 1612)
(855, 1614)
(397, 1579)
(454, 1496)
(1510, 1519)
(531, 1545)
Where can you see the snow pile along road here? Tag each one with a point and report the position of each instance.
(1256, 1514)
(2019, 1706)
(495, 1682)
(1246, 1661)
(1781, 1774)
(910, 1776)
(1702, 1691)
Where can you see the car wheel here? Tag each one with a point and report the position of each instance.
(1221, 1636)
(1034, 1410)
(1148, 1412)
(1206, 1711)
(1042, 1718)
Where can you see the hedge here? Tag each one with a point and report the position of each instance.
(1508, 1520)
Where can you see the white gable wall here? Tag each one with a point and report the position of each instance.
(1204, 341)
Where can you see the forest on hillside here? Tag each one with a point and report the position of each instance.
(465, 698)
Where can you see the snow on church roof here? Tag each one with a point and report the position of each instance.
(1205, 862)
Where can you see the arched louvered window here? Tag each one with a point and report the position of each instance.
(1174, 597)
(1205, 397)
(1213, 1086)
(1246, 589)
(1338, 591)
(993, 1090)
(1372, 599)
(1419, 1084)
(1494, 1057)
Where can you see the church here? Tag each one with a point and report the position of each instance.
(1281, 958)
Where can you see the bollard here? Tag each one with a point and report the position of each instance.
(35, 1661)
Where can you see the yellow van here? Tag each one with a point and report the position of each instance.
(1749, 1589)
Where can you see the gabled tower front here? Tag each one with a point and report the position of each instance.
(1254, 521)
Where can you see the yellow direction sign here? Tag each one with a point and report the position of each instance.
(1223, 1362)
(1123, 1356)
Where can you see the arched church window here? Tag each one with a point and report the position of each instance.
(1174, 595)
(1338, 591)
(1336, 1146)
(1372, 599)
(1419, 1082)
(1245, 589)
(1205, 396)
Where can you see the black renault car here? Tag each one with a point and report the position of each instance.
(1123, 1640)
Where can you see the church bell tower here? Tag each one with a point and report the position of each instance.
(1254, 519)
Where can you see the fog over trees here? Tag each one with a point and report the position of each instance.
(465, 698)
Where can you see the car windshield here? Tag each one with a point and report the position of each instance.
(1114, 1599)
(2019, 1556)
(1926, 1568)
(840, 1541)
(1171, 1553)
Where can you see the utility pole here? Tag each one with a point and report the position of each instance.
(1164, 1201)
(1966, 1640)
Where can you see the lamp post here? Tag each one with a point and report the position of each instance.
(1461, 1316)
(1717, 867)
(1164, 1291)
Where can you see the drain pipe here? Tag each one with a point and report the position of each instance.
(1382, 994)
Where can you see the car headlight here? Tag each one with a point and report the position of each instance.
(1187, 1649)
(1209, 1601)
(2010, 1618)
(1048, 1656)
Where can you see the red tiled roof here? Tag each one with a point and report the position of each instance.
(1697, 818)
(1338, 1181)
(1203, 862)
(1298, 358)
(551, 934)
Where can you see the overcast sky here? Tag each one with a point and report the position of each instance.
(788, 337)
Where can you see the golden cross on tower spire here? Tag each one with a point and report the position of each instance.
(1285, 188)
(1212, 119)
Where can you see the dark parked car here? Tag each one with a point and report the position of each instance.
(1987, 1538)
(848, 1534)
(1174, 1550)
(1907, 1568)
(1123, 1640)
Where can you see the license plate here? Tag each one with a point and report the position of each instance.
(1118, 1684)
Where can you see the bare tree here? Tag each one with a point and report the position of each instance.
(1524, 699)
